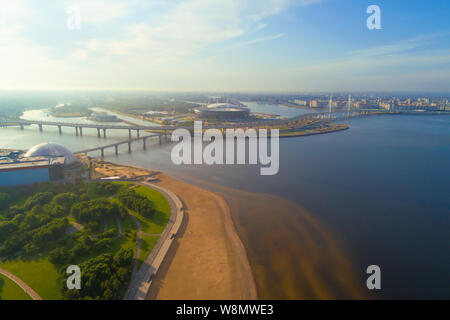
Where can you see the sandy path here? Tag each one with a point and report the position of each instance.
(208, 260)
(33, 294)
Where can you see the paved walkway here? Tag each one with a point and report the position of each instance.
(33, 294)
(141, 281)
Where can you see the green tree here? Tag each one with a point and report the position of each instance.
(5, 200)
(40, 198)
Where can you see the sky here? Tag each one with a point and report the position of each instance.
(224, 45)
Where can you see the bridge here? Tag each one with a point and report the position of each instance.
(117, 144)
(340, 115)
(80, 126)
(334, 116)
(160, 131)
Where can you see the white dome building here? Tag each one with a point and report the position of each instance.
(51, 150)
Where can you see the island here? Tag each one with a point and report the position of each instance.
(70, 111)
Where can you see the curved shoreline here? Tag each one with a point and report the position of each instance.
(207, 246)
(236, 241)
(312, 132)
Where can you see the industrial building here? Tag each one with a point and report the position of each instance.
(222, 111)
(104, 117)
(42, 163)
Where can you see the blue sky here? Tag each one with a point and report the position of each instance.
(225, 45)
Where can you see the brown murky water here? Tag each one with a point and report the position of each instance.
(293, 255)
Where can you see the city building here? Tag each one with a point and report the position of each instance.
(104, 117)
(301, 102)
(42, 163)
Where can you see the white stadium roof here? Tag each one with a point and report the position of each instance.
(226, 107)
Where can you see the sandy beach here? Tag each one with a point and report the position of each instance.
(293, 254)
(208, 259)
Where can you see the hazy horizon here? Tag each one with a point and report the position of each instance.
(273, 46)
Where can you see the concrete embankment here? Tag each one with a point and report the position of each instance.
(143, 279)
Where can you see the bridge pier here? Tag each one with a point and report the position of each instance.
(76, 131)
(160, 139)
(40, 127)
(21, 126)
(102, 150)
(116, 147)
(104, 133)
(98, 133)
(144, 141)
(137, 132)
(60, 129)
(129, 146)
(129, 134)
(81, 131)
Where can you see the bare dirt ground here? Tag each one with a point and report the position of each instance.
(208, 260)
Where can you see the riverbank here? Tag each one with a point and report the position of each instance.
(293, 254)
(310, 132)
(208, 259)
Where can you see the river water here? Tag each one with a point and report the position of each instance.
(378, 193)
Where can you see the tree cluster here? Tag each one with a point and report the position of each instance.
(136, 202)
(103, 277)
(95, 210)
(107, 188)
(28, 228)
(73, 249)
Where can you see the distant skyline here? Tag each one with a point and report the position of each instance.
(225, 45)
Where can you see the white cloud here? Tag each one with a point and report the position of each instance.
(99, 12)
(188, 27)
(257, 40)
(178, 32)
(400, 46)
(166, 49)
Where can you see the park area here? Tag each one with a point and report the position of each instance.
(46, 227)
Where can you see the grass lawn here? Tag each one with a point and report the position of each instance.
(147, 244)
(162, 211)
(126, 222)
(41, 275)
(124, 183)
(11, 291)
(94, 192)
(121, 242)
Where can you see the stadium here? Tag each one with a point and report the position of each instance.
(221, 111)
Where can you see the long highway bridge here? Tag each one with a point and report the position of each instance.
(161, 131)
(117, 144)
(80, 126)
